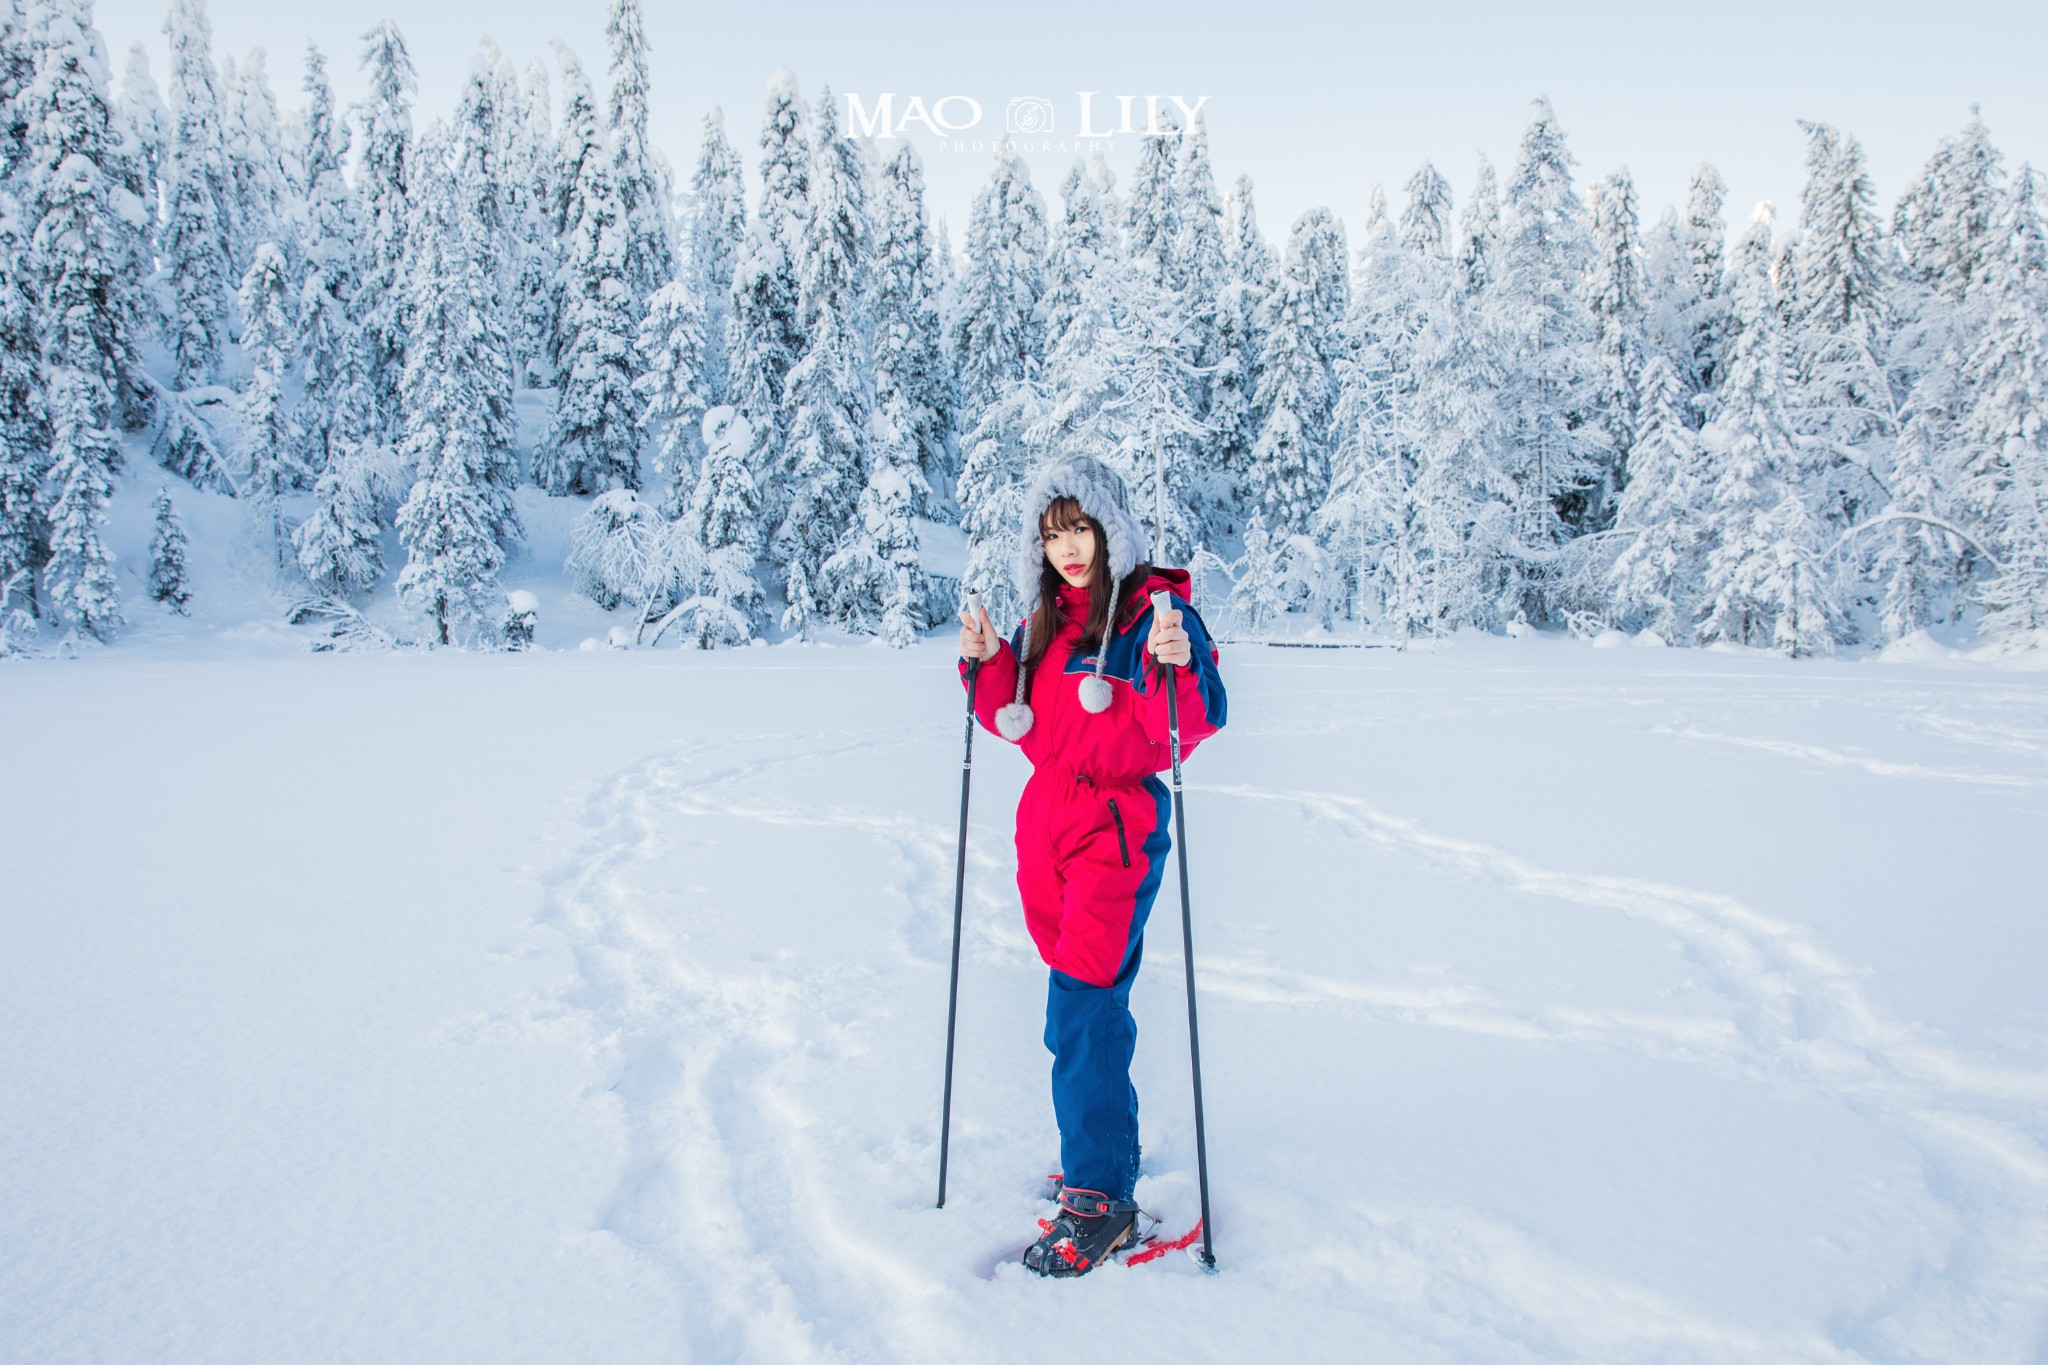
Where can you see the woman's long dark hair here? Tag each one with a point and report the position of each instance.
(1065, 514)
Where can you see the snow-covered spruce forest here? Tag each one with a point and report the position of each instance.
(369, 327)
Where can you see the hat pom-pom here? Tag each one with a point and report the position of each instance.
(1095, 694)
(1013, 722)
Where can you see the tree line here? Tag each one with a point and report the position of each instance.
(1529, 408)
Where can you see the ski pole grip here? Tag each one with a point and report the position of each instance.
(972, 602)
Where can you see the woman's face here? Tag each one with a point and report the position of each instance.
(1070, 549)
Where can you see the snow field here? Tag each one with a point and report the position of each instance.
(1557, 1004)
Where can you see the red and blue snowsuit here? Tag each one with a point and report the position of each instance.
(1093, 833)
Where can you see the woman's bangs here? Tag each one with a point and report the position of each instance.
(1061, 514)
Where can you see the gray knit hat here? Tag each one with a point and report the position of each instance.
(1100, 492)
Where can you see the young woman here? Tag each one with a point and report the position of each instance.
(1081, 687)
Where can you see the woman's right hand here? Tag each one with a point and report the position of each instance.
(978, 639)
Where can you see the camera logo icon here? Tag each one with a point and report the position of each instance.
(1028, 115)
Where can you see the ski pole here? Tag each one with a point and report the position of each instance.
(1162, 602)
(959, 904)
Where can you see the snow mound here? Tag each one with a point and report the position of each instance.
(1919, 647)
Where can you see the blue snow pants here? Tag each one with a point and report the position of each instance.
(1092, 1037)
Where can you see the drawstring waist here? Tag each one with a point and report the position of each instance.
(1082, 778)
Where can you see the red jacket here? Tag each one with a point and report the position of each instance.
(1128, 742)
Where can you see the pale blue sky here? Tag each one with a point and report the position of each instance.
(1315, 101)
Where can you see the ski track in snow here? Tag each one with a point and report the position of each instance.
(724, 1153)
(1800, 1016)
(723, 1184)
(1879, 767)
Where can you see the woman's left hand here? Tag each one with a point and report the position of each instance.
(1168, 642)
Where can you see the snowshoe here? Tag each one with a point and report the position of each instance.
(1090, 1225)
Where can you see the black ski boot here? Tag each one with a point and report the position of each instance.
(1090, 1226)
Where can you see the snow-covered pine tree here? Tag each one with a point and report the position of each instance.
(1620, 316)
(1764, 581)
(999, 455)
(1840, 340)
(1250, 255)
(913, 385)
(1153, 412)
(2005, 428)
(1433, 478)
(997, 331)
(1201, 263)
(533, 290)
(1118, 367)
(1553, 391)
(24, 423)
(1661, 510)
(1401, 280)
(1946, 229)
(167, 555)
(268, 302)
(1201, 266)
(874, 582)
(766, 336)
(262, 187)
(998, 348)
(592, 441)
(483, 131)
(515, 156)
(638, 175)
(328, 333)
(382, 188)
(78, 580)
(1256, 596)
(829, 394)
(1152, 208)
(1087, 284)
(83, 260)
(578, 139)
(945, 279)
(1946, 225)
(340, 546)
(335, 429)
(725, 513)
(1705, 237)
(673, 388)
(142, 105)
(896, 544)
(717, 227)
(1912, 561)
(1086, 238)
(1290, 469)
(450, 522)
(1426, 227)
(1479, 230)
(17, 70)
(488, 357)
(1670, 298)
(1233, 414)
(197, 200)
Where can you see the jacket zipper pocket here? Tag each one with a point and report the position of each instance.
(1122, 848)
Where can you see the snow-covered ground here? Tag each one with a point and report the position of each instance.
(1559, 1003)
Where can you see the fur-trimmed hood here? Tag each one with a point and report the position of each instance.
(1101, 494)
